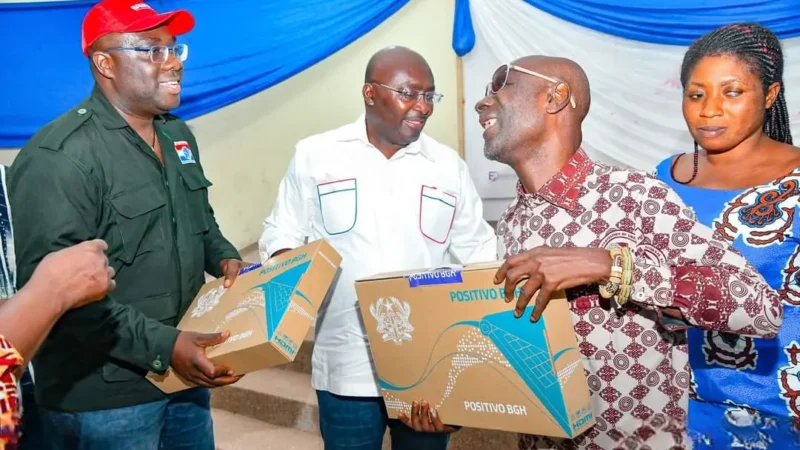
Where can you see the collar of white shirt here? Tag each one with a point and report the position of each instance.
(357, 131)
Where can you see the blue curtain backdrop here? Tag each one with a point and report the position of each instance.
(670, 22)
(237, 48)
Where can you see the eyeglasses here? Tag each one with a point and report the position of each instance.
(500, 78)
(430, 97)
(159, 54)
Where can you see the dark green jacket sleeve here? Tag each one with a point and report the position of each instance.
(56, 203)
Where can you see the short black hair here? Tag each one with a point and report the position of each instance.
(760, 49)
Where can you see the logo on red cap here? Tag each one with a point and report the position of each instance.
(139, 6)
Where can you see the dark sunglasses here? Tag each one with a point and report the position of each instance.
(500, 78)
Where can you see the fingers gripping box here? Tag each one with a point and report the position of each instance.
(447, 336)
(268, 311)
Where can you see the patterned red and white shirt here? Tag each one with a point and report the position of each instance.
(10, 361)
(635, 359)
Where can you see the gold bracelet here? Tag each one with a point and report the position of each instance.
(624, 294)
(609, 290)
(627, 265)
(616, 264)
(626, 285)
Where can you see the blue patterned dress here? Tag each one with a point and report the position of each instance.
(746, 392)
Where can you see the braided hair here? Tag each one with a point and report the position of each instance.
(760, 49)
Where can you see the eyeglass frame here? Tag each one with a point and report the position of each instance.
(172, 49)
(511, 67)
(414, 96)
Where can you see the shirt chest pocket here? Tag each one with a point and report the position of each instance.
(197, 190)
(138, 219)
(437, 212)
(338, 204)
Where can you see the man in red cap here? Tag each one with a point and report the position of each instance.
(118, 167)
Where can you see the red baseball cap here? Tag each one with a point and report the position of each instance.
(129, 16)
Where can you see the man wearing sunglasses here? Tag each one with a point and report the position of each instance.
(387, 197)
(638, 269)
(120, 168)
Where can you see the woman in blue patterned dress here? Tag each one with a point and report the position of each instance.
(743, 180)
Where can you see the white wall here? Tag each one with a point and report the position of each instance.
(246, 146)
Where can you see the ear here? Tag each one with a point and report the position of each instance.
(103, 63)
(772, 93)
(557, 97)
(368, 92)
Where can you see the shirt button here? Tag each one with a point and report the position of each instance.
(166, 183)
(157, 364)
(173, 219)
(82, 111)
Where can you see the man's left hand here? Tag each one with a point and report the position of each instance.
(548, 270)
(230, 269)
(425, 419)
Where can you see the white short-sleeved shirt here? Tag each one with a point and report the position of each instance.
(412, 211)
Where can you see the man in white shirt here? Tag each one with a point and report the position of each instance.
(388, 198)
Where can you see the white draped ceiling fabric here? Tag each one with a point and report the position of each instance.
(635, 117)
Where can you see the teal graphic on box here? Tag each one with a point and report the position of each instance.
(268, 311)
(447, 336)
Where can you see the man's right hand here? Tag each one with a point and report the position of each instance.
(76, 275)
(425, 419)
(189, 360)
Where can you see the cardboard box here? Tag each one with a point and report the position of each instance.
(447, 336)
(268, 311)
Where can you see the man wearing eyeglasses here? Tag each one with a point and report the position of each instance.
(636, 266)
(388, 197)
(120, 168)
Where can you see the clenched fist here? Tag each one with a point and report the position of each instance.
(77, 275)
